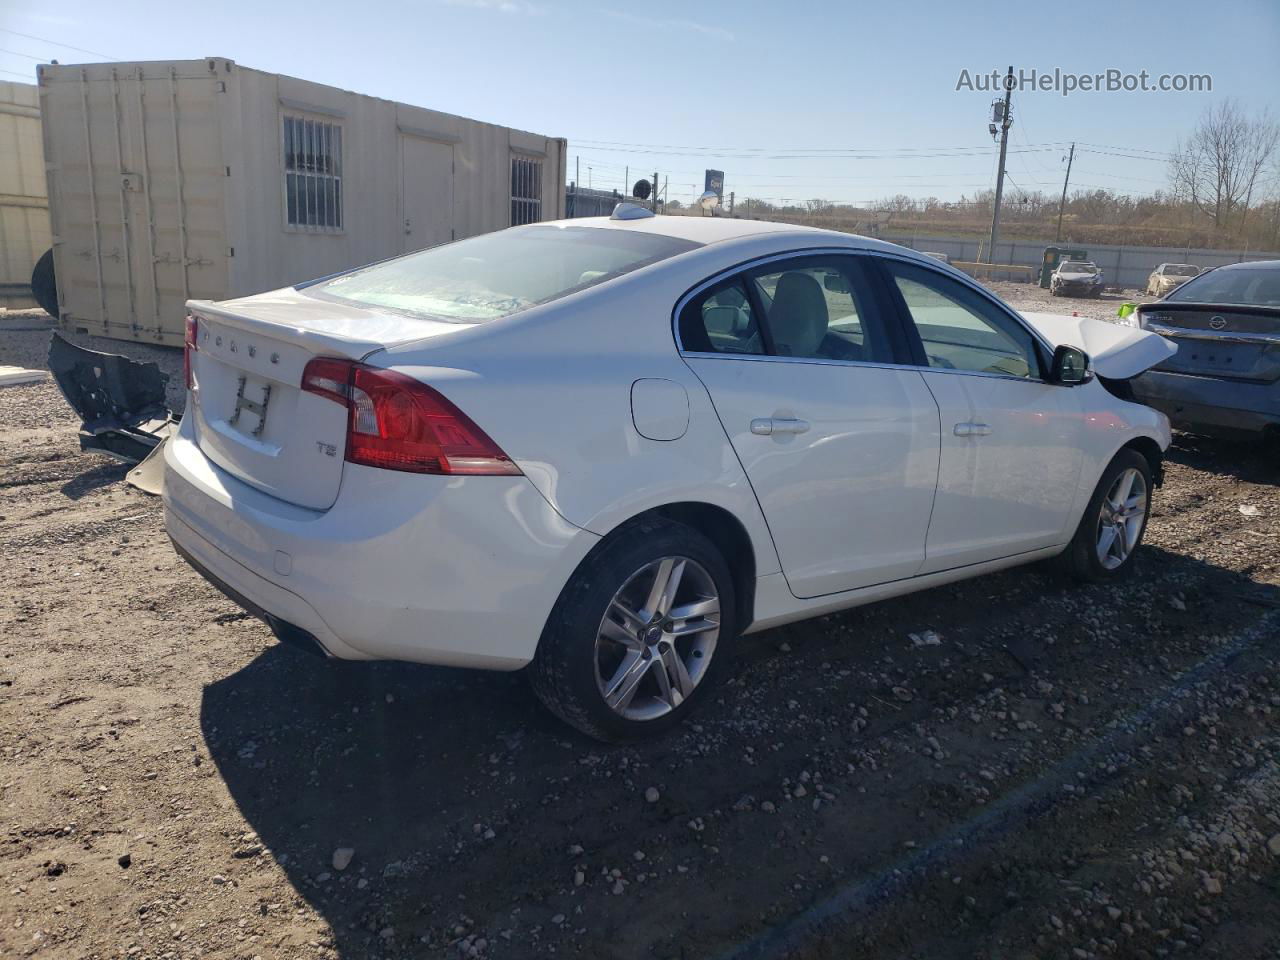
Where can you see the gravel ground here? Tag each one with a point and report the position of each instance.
(1056, 771)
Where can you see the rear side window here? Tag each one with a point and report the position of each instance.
(498, 274)
(819, 308)
(807, 308)
(721, 320)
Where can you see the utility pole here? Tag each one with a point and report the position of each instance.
(655, 191)
(1063, 202)
(731, 203)
(1005, 123)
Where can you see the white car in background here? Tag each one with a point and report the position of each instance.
(1076, 278)
(606, 448)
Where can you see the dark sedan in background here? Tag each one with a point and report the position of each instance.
(1225, 378)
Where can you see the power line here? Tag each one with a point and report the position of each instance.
(16, 53)
(905, 178)
(672, 146)
(28, 36)
(30, 78)
(815, 155)
(1117, 176)
(1128, 156)
(1126, 150)
(1129, 149)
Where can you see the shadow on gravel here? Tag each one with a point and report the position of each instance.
(96, 478)
(412, 767)
(388, 759)
(1256, 461)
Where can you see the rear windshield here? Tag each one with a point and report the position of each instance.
(1251, 286)
(498, 274)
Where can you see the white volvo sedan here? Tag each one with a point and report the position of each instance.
(606, 448)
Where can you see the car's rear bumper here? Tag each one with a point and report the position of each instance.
(459, 571)
(285, 632)
(1210, 404)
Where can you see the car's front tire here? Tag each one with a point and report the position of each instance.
(639, 635)
(1114, 521)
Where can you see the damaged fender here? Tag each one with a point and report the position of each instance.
(1116, 352)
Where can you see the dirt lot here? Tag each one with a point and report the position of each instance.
(1067, 772)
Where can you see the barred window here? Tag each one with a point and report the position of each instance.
(526, 190)
(313, 173)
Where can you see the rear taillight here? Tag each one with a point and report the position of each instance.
(188, 348)
(398, 423)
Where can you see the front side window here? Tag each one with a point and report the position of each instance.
(312, 173)
(526, 190)
(498, 274)
(959, 330)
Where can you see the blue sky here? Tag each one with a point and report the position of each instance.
(798, 100)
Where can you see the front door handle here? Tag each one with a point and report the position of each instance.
(776, 426)
(972, 430)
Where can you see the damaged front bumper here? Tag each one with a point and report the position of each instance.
(121, 403)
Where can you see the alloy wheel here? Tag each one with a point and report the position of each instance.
(1120, 518)
(657, 637)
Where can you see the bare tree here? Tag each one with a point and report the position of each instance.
(1217, 169)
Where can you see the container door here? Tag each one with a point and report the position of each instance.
(426, 192)
(139, 184)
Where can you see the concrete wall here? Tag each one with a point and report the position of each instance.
(1123, 266)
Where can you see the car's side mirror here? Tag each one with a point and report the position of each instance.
(1070, 366)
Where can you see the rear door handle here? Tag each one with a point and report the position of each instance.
(972, 430)
(775, 426)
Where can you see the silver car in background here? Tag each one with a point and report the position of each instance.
(1168, 277)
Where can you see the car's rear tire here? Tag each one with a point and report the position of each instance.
(1113, 523)
(640, 634)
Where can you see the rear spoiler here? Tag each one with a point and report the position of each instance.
(121, 402)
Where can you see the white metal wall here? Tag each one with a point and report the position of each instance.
(377, 187)
(167, 182)
(136, 180)
(24, 203)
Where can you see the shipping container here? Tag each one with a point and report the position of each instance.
(24, 203)
(203, 179)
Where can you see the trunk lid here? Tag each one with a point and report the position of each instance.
(1118, 352)
(251, 416)
(1235, 342)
